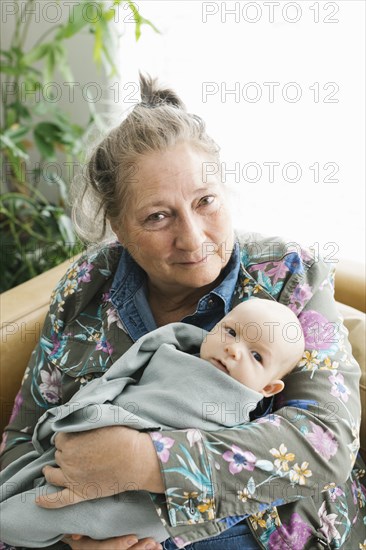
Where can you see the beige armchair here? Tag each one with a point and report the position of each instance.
(23, 310)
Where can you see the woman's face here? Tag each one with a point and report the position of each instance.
(177, 227)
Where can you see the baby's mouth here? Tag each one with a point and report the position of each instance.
(220, 365)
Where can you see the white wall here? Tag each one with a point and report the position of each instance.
(204, 48)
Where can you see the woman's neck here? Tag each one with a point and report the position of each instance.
(170, 306)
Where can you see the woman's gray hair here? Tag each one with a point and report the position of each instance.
(159, 122)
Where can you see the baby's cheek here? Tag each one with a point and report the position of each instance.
(203, 350)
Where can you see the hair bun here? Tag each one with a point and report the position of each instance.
(154, 96)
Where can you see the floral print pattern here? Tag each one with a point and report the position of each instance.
(282, 457)
(50, 387)
(270, 469)
(299, 473)
(323, 441)
(299, 297)
(339, 389)
(318, 332)
(16, 407)
(239, 459)
(293, 535)
(162, 445)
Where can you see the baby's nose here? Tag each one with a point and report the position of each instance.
(233, 351)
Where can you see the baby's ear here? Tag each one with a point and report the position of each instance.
(274, 387)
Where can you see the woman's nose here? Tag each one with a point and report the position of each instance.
(189, 234)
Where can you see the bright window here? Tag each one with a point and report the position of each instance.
(281, 86)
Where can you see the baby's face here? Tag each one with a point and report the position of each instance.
(251, 345)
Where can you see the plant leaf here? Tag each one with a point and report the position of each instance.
(140, 20)
(16, 132)
(98, 43)
(49, 66)
(8, 142)
(8, 69)
(32, 85)
(55, 179)
(11, 116)
(66, 229)
(62, 63)
(37, 53)
(76, 21)
(45, 141)
(21, 110)
(6, 53)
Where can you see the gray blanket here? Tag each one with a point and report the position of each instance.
(158, 383)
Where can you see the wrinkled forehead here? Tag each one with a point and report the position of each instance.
(166, 175)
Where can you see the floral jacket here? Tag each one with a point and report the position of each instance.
(294, 471)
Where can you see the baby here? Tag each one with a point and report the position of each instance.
(254, 349)
(251, 348)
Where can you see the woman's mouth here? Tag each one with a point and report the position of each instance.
(194, 262)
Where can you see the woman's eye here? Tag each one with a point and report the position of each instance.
(208, 199)
(257, 356)
(156, 217)
(231, 332)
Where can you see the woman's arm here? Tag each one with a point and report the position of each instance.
(310, 441)
(57, 365)
(44, 386)
(30, 403)
(114, 459)
(130, 542)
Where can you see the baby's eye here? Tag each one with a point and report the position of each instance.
(257, 356)
(230, 331)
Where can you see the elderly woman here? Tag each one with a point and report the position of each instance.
(286, 480)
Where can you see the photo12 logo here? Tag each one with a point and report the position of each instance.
(269, 12)
(271, 92)
(54, 11)
(271, 172)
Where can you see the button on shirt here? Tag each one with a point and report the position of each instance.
(129, 297)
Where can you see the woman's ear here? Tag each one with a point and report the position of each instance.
(117, 231)
(113, 226)
(274, 387)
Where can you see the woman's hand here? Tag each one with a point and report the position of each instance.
(77, 542)
(100, 463)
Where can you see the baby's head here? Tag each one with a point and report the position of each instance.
(257, 343)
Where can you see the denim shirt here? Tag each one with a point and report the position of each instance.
(129, 297)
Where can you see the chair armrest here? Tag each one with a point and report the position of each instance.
(23, 310)
(350, 284)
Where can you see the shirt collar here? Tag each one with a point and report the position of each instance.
(128, 295)
(223, 293)
(130, 277)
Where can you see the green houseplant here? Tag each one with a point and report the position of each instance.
(36, 232)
